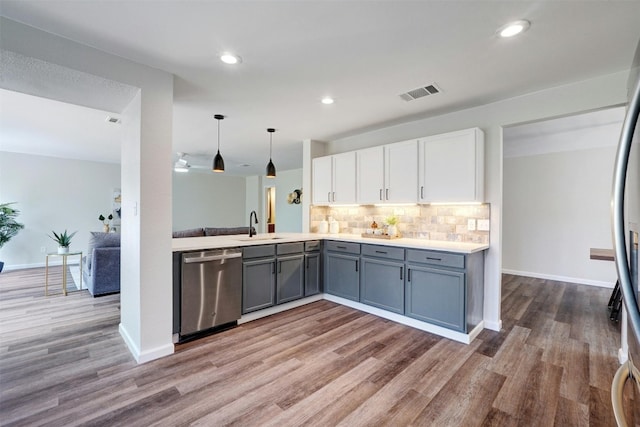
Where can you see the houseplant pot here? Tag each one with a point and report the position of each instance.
(9, 227)
(63, 240)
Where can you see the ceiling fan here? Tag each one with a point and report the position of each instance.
(183, 165)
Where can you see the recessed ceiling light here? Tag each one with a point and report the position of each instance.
(513, 28)
(112, 119)
(230, 58)
(327, 100)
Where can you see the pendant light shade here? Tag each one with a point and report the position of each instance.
(271, 168)
(218, 161)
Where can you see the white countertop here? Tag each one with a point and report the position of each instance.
(240, 240)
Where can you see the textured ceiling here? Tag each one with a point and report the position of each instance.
(363, 53)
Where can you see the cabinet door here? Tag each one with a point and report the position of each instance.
(290, 283)
(382, 284)
(322, 180)
(258, 284)
(436, 296)
(401, 172)
(312, 274)
(342, 276)
(344, 178)
(370, 166)
(452, 167)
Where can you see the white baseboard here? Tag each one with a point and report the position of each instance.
(55, 263)
(580, 281)
(494, 326)
(423, 326)
(147, 355)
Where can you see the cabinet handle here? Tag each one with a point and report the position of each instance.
(334, 196)
(341, 247)
(356, 266)
(434, 259)
(307, 263)
(408, 275)
(329, 196)
(273, 267)
(381, 194)
(387, 193)
(422, 191)
(381, 252)
(280, 267)
(401, 268)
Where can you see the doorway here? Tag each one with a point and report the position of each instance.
(270, 209)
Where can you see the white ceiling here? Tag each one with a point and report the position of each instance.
(363, 53)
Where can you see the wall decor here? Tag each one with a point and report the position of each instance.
(294, 197)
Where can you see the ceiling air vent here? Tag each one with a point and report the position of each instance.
(421, 92)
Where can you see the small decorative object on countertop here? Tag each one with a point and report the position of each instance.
(392, 223)
(323, 227)
(334, 226)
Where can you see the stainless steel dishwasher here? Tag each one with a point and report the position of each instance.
(211, 291)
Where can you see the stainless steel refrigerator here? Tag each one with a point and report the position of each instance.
(625, 213)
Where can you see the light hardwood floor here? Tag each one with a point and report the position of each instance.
(63, 363)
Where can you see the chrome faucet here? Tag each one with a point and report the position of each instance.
(254, 215)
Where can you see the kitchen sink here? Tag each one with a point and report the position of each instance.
(249, 239)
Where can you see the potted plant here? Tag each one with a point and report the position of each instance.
(105, 222)
(9, 227)
(392, 223)
(63, 240)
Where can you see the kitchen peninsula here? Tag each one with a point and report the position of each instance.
(435, 286)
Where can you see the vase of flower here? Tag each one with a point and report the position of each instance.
(63, 250)
(392, 226)
(105, 222)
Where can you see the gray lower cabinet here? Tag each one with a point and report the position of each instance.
(446, 289)
(342, 269)
(436, 296)
(312, 273)
(258, 277)
(290, 278)
(382, 277)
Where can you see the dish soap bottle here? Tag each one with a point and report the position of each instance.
(323, 227)
(334, 226)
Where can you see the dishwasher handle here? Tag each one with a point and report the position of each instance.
(212, 258)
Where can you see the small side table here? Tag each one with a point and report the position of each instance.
(64, 270)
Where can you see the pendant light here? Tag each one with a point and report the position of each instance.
(218, 161)
(271, 169)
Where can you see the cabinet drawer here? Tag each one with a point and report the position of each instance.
(344, 247)
(443, 259)
(312, 246)
(258, 251)
(386, 252)
(290, 248)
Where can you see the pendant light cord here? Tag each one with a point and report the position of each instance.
(218, 135)
(270, 143)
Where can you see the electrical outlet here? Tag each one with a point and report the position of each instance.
(471, 224)
(483, 225)
(43, 249)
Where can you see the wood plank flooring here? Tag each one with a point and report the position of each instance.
(63, 363)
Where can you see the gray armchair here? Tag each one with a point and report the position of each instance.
(101, 265)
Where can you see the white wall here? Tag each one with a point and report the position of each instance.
(288, 216)
(556, 207)
(53, 194)
(557, 193)
(208, 200)
(146, 288)
(581, 96)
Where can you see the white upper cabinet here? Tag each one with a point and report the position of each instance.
(334, 179)
(451, 167)
(322, 180)
(401, 172)
(388, 174)
(370, 166)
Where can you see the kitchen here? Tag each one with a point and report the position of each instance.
(149, 331)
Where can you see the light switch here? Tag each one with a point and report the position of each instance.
(483, 225)
(471, 224)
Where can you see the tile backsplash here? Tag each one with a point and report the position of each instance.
(434, 222)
